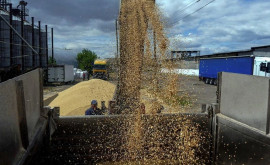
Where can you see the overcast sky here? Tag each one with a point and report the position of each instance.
(223, 25)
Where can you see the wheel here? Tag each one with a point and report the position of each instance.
(211, 82)
(207, 81)
(215, 82)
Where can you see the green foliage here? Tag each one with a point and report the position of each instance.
(52, 61)
(85, 59)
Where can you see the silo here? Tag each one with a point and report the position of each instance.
(27, 50)
(4, 41)
(36, 31)
(43, 49)
(17, 42)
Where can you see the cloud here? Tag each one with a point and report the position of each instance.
(223, 25)
(77, 24)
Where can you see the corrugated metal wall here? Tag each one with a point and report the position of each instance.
(28, 59)
(17, 42)
(4, 43)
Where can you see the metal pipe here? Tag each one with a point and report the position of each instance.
(47, 52)
(116, 31)
(22, 43)
(33, 42)
(11, 35)
(52, 45)
(39, 43)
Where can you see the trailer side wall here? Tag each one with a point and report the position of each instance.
(209, 68)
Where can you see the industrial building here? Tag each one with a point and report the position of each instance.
(185, 59)
(23, 44)
(255, 51)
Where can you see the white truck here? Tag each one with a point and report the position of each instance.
(60, 73)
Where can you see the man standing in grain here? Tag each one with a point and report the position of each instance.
(94, 110)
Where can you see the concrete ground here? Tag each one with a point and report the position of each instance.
(49, 91)
(200, 92)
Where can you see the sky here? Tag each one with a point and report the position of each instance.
(222, 25)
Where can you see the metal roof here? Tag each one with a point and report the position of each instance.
(258, 47)
(227, 53)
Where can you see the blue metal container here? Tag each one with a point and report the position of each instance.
(209, 68)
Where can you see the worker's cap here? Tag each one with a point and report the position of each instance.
(94, 102)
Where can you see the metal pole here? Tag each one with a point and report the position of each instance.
(52, 45)
(39, 44)
(18, 34)
(47, 53)
(11, 35)
(33, 42)
(117, 46)
(22, 34)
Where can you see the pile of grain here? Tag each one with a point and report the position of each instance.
(76, 100)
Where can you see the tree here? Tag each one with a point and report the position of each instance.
(85, 59)
(52, 61)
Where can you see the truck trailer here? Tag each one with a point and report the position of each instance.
(60, 73)
(249, 65)
(234, 131)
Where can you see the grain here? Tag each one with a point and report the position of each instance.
(77, 99)
(143, 53)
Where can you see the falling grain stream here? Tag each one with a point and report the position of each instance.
(130, 137)
(143, 50)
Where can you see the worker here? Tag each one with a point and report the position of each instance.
(94, 110)
(83, 76)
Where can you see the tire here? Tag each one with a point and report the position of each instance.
(215, 82)
(207, 81)
(211, 82)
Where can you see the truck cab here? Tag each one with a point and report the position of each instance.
(100, 70)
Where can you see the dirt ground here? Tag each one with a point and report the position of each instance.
(51, 90)
(199, 92)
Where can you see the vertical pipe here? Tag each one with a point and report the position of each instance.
(5, 2)
(47, 53)
(11, 35)
(117, 47)
(39, 44)
(22, 43)
(33, 43)
(52, 45)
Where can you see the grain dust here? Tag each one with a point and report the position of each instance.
(143, 54)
